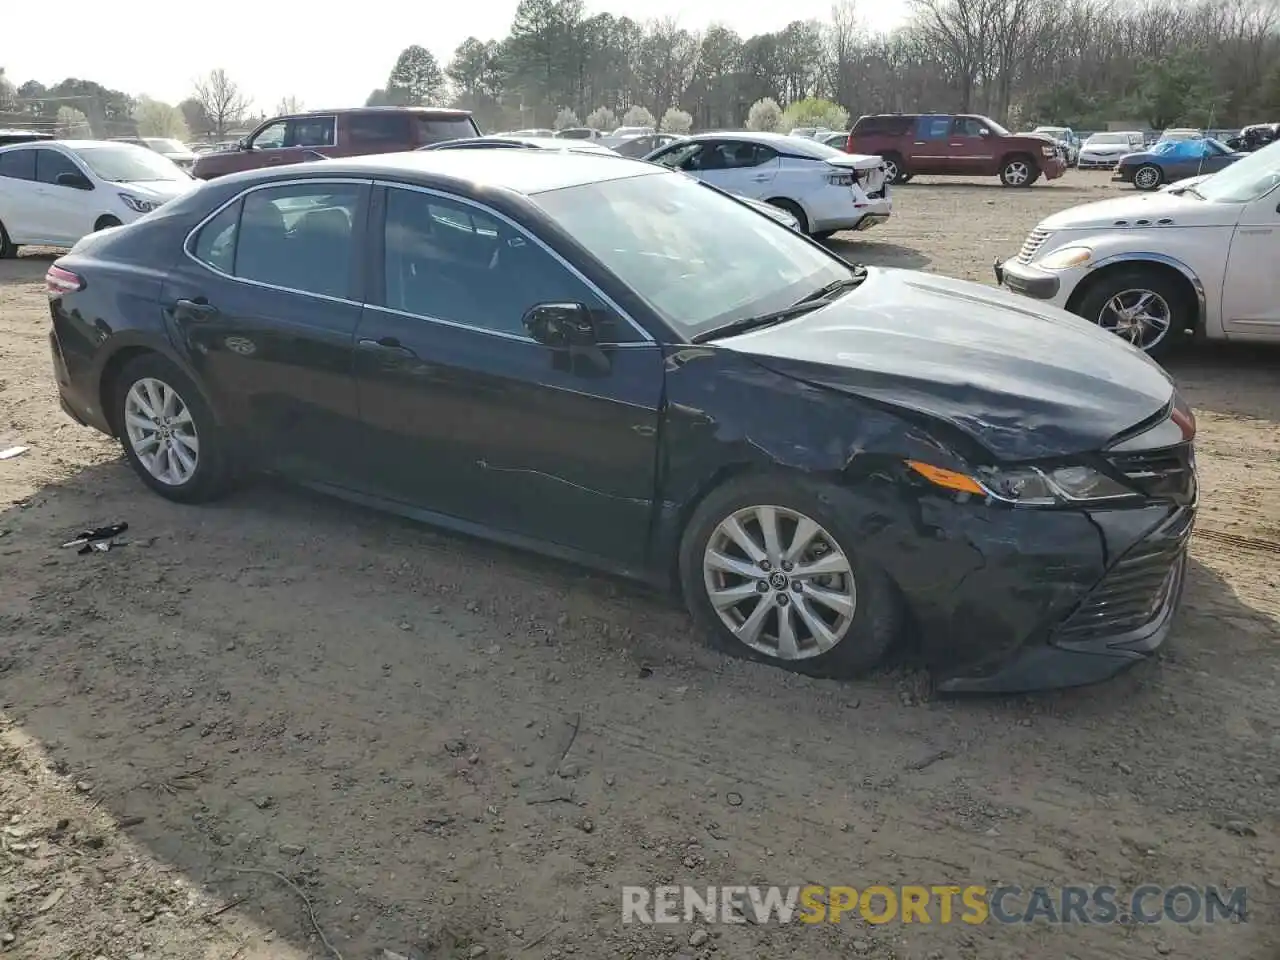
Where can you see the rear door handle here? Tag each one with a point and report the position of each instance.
(761, 177)
(197, 309)
(387, 345)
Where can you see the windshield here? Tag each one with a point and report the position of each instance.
(125, 163)
(1108, 138)
(697, 257)
(1245, 180)
(164, 145)
(998, 130)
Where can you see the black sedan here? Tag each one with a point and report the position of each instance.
(605, 361)
(1171, 160)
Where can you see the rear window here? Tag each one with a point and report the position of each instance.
(894, 125)
(436, 129)
(18, 164)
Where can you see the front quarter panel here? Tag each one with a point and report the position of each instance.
(1199, 253)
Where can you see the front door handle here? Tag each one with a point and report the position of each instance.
(196, 309)
(387, 345)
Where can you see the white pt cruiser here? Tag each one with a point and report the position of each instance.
(1203, 258)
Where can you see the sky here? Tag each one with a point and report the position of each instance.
(331, 59)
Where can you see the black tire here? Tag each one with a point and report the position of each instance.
(1152, 279)
(794, 209)
(8, 250)
(106, 221)
(1019, 171)
(877, 614)
(895, 168)
(212, 476)
(1148, 177)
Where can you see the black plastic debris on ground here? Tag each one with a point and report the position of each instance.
(99, 539)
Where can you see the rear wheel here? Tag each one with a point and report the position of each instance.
(769, 573)
(794, 209)
(1148, 177)
(168, 432)
(1019, 172)
(1141, 304)
(8, 250)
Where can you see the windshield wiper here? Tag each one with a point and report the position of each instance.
(819, 298)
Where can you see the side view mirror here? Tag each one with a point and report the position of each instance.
(243, 144)
(984, 132)
(77, 181)
(561, 325)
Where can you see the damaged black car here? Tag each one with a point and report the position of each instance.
(603, 361)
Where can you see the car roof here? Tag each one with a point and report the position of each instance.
(749, 136)
(524, 171)
(542, 143)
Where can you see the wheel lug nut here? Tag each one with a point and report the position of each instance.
(762, 586)
(765, 565)
(787, 565)
(797, 586)
(783, 599)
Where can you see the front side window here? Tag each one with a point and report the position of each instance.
(299, 237)
(683, 157)
(698, 258)
(271, 137)
(50, 164)
(1245, 180)
(734, 156)
(310, 132)
(448, 260)
(969, 127)
(18, 164)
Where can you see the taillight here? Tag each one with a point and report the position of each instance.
(58, 281)
(841, 178)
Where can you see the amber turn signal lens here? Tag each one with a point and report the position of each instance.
(949, 479)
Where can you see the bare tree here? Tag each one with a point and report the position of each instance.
(220, 98)
(288, 105)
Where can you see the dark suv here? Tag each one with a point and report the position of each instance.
(960, 145)
(338, 133)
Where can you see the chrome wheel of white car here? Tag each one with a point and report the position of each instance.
(1143, 317)
(161, 431)
(779, 582)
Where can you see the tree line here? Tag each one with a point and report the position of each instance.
(1082, 63)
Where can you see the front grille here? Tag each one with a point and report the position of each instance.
(1035, 240)
(1167, 474)
(1135, 592)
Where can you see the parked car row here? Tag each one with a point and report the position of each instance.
(607, 361)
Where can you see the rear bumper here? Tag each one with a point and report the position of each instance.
(863, 217)
(1124, 619)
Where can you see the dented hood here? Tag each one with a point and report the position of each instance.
(1025, 381)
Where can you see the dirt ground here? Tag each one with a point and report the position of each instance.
(285, 727)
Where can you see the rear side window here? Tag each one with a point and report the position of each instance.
(436, 129)
(892, 126)
(933, 128)
(18, 165)
(311, 132)
(379, 129)
(216, 243)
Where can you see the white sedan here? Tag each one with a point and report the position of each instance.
(54, 192)
(1199, 258)
(825, 189)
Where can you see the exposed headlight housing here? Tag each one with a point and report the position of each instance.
(1064, 258)
(1031, 486)
(138, 204)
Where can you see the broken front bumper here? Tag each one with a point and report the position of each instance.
(1026, 280)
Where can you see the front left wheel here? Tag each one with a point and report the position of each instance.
(168, 432)
(8, 249)
(770, 572)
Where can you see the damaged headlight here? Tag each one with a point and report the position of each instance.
(1030, 486)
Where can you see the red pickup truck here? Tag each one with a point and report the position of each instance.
(958, 145)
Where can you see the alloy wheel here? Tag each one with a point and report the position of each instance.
(890, 172)
(161, 431)
(1147, 178)
(1142, 317)
(1017, 173)
(779, 582)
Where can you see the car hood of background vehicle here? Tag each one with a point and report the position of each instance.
(157, 189)
(1024, 380)
(1183, 210)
